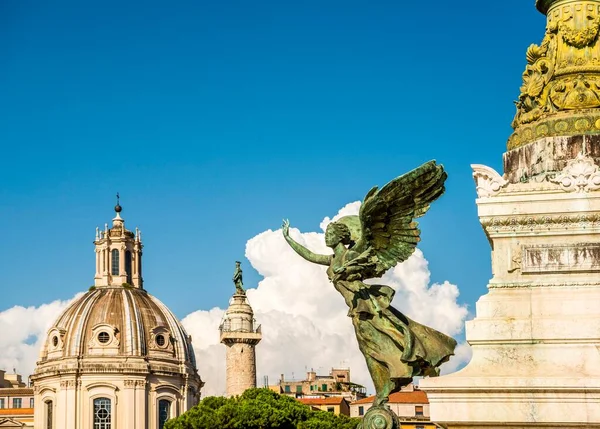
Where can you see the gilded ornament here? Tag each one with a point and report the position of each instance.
(542, 130)
(561, 81)
(582, 124)
(561, 126)
(575, 93)
(580, 38)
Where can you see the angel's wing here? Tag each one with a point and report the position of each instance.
(388, 231)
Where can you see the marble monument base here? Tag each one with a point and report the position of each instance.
(536, 335)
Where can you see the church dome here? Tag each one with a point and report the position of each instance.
(118, 321)
(116, 357)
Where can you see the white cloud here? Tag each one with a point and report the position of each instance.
(23, 331)
(303, 318)
(304, 321)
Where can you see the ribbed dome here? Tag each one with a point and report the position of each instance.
(118, 321)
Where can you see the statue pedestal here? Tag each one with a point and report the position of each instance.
(536, 335)
(380, 418)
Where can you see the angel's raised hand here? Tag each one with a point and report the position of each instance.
(285, 228)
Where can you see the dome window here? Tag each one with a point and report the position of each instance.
(102, 413)
(164, 412)
(103, 337)
(115, 262)
(55, 341)
(160, 340)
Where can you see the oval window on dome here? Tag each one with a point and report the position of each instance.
(160, 340)
(103, 337)
(55, 341)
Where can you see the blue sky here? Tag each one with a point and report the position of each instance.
(215, 120)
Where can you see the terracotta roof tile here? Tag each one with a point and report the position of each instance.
(335, 400)
(16, 391)
(416, 397)
(15, 411)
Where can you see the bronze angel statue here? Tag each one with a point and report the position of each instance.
(384, 233)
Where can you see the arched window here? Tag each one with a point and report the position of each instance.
(49, 417)
(114, 269)
(128, 266)
(102, 413)
(164, 412)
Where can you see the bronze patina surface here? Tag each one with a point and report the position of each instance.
(238, 279)
(384, 233)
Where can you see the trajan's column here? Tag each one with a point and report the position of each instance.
(536, 335)
(240, 336)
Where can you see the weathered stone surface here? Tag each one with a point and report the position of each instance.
(550, 155)
(536, 334)
(240, 336)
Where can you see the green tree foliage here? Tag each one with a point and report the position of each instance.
(257, 409)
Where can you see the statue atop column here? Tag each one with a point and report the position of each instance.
(237, 279)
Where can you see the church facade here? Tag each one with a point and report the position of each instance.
(116, 358)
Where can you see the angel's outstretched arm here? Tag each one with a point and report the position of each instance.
(301, 250)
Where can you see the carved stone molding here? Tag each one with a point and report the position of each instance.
(526, 285)
(130, 384)
(487, 180)
(561, 258)
(70, 384)
(516, 261)
(540, 223)
(580, 175)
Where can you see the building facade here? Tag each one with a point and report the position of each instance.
(410, 405)
(16, 402)
(336, 404)
(336, 383)
(116, 358)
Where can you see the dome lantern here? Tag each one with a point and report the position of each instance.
(118, 254)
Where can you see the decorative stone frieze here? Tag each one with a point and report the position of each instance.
(541, 222)
(487, 180)
(135, 384)
(580, 175)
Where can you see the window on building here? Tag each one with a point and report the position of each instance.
(324, 387)
(164, 412)
(102, 417)
(288, 389)
(311, 387)
(114, 268)
(128, 266)
(330, 409)
(419, 411)
(49, 417)
(298, 388)
(2, 404)
(361, 411)
(30, 402)
(17, 403)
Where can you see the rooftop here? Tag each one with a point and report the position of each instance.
(414, 397)
(12, 391)
(16, 411)
(335, 400)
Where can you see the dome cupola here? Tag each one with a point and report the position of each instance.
(118, 254)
